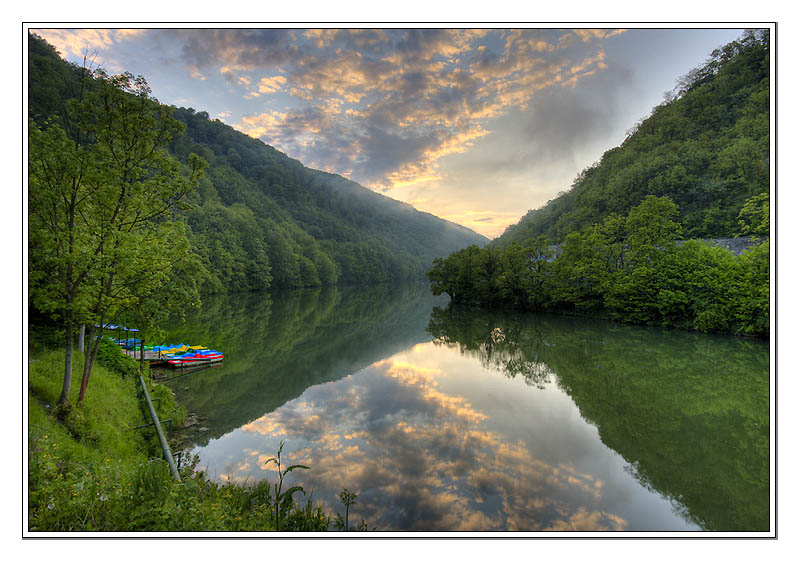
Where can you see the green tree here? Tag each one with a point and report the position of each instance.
(523, 274)
(750, 291)
(102, 195)
(62, 250)
(754, 216)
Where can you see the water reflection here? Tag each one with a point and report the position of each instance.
(502, 422)
(688, 412)
(422, 458)
(278, 345)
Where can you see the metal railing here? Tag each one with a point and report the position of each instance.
(160, 432)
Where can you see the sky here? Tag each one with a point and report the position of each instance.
(476, 126)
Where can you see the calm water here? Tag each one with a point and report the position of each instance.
(448, 419)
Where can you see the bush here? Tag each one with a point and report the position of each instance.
(110, 355)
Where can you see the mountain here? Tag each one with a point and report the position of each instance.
(261, 219)
(706, 148)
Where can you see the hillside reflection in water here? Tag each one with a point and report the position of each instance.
(460, 420)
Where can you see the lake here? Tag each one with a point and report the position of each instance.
(453, 419)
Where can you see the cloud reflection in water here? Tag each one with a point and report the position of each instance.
(421, 459)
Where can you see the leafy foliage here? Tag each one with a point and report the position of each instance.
(283, 500)
(101, 191)
(110, 356)
(754, 216)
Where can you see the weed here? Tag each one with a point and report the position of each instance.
(283, 501)
(348, 498)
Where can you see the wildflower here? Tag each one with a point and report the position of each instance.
(103, 498)
(51, 505)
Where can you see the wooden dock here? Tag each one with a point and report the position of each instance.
(149, 355)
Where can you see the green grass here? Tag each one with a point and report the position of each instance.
(92, 471)
(110, 410)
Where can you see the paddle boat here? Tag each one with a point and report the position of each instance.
(195, 357)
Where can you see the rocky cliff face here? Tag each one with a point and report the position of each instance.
(735, 245)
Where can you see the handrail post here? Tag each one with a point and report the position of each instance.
(164, 446)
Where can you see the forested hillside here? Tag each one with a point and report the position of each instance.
(706, 148)
(260, 219)
(697, 168)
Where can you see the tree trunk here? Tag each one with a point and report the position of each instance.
(81, 335)
(87, 365)
(71, 291)
(95, 347)
(69, 333)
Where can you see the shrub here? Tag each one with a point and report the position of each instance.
(110, 355)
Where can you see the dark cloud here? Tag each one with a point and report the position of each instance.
(560, 120)
(246, 47)
(385, 151)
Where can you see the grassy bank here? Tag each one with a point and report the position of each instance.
(93, 471)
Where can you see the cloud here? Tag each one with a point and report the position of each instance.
(587, 35)
(271, 84)
(536, 151)
(241, 48)
(390, 104)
